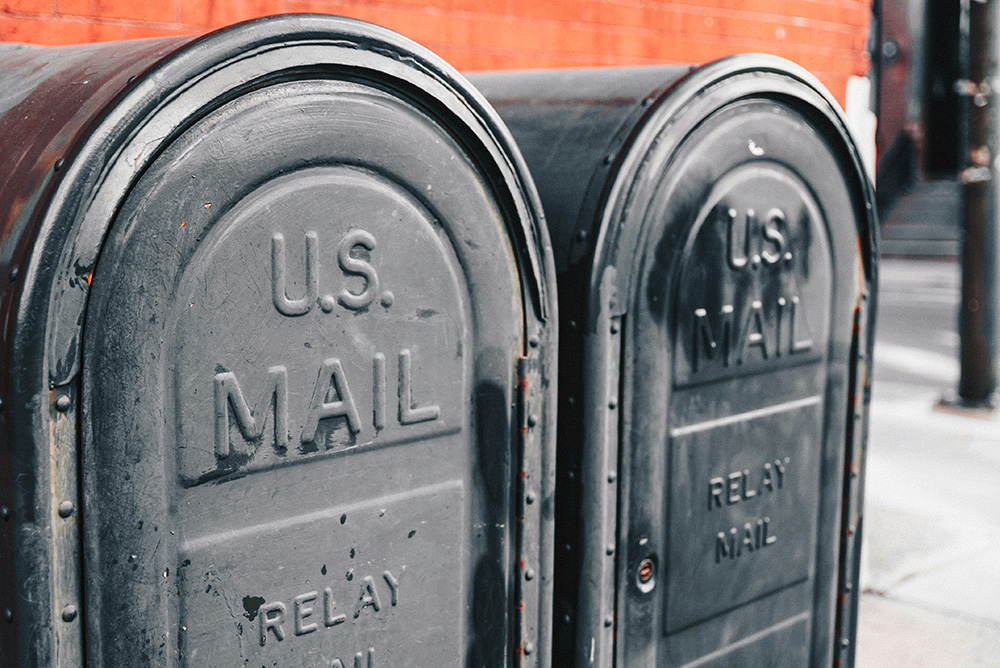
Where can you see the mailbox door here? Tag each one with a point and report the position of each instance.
(315, 359)
(738, 353)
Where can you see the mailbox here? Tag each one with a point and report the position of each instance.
(278, 380)
(714, 240)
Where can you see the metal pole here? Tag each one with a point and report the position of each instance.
(978, 315)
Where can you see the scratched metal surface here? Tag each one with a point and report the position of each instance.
(284, 295)
(48, 97)
(714, 238)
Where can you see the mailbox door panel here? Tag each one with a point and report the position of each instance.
(300, 369)
(748, 262)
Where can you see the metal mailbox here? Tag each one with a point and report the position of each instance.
(714, 239)
(278, 344)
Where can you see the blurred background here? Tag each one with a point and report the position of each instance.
(916, 86)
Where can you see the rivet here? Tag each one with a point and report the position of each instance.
(613, 404)
(612, 476)
(529, 574)
(59, 164)
(529, 497)
(8, 615)
(848, 587)
(69, 613)
(532, 420)
(614, 328)
(63, 403)
(529, 647)
(4, 513)
(608, 158)
(568, 547)
(581, 235)
(610, 549)
(608, 621)
(844, 642)
(66, 509)
(1, 404)
(533, 342)
(13, 273)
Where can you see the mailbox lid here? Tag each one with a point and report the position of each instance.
(330, 195)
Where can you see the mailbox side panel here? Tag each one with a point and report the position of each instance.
(50, 97)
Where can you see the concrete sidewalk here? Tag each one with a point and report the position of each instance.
(931, 571)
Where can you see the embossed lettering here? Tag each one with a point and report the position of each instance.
(368, 596)
(787, 334)
(408, 413)
(331, 373)
(393, 586)
(329, 618)
(715, 489)
(725, 545)
(350, 264)
(779, 467)
(773, 222)
(748, 538)
(227, 393)
(279, 293)
(734, 487)
(743, 248)
(753, 331)
(303, 611)
(736, 542)
(768, 482)
(378, 391)
(359, 659)
(708, 344)
(797, 326)
(353, 266)
(305, 616)
(271, 617)
(331, 398)
(739, 486)
(739, 261)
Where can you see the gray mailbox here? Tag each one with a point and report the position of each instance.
(714, 239)
(278, 356)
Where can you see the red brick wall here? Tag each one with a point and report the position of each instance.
(825, 36)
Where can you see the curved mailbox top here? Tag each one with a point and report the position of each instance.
(714, 237)
(281, 352)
